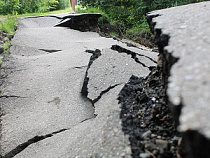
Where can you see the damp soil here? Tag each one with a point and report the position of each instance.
(146, 118)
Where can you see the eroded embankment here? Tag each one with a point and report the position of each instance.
(146, 118)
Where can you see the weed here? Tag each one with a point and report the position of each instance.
(9, 25)
(6, 47)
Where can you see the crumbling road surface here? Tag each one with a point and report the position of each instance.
(184, 43)
(59, 90)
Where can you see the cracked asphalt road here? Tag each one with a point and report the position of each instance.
(43, 113)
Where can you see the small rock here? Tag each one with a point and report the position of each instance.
(153, 99)
(153, 136)
(146, 134)
(162, 144)
(122, 154)
(10, 36)
(144, 155)
(1, 49)
(1, 42)
(159, 137)
(4, 34)
(115, 130)
(128, 150)
(6, 39)
(143, 125)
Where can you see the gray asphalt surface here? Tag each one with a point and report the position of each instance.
(43, 112)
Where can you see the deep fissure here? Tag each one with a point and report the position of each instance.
(95, 54)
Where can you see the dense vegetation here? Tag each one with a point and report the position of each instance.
(131, 14)
(31, 6)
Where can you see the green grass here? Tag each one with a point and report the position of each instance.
(9, 25)
(6, 47)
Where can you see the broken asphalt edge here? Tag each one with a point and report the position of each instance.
(194, 143)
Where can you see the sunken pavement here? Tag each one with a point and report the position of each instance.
(60, 88)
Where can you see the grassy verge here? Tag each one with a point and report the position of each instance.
(9, 25)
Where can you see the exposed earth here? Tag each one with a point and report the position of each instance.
(146, 118)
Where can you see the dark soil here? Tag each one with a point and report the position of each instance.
(146, 118)
(143, 38)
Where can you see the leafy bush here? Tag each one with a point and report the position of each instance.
(131, 13)
(62, 4)
(9, 6)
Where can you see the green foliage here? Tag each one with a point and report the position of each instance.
(6, 47)
(62, 4)
(9, 25)
(9, 6)
(130, 13)
(89, 10)
(31, 6)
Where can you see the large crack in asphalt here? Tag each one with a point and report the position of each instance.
(133, 55)
(36, 139)
(95, 54)
(31, 141)
(84, 91)
(105, 91)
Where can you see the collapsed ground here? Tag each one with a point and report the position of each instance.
(145, 114)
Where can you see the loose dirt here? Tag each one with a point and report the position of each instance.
(146, 118)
